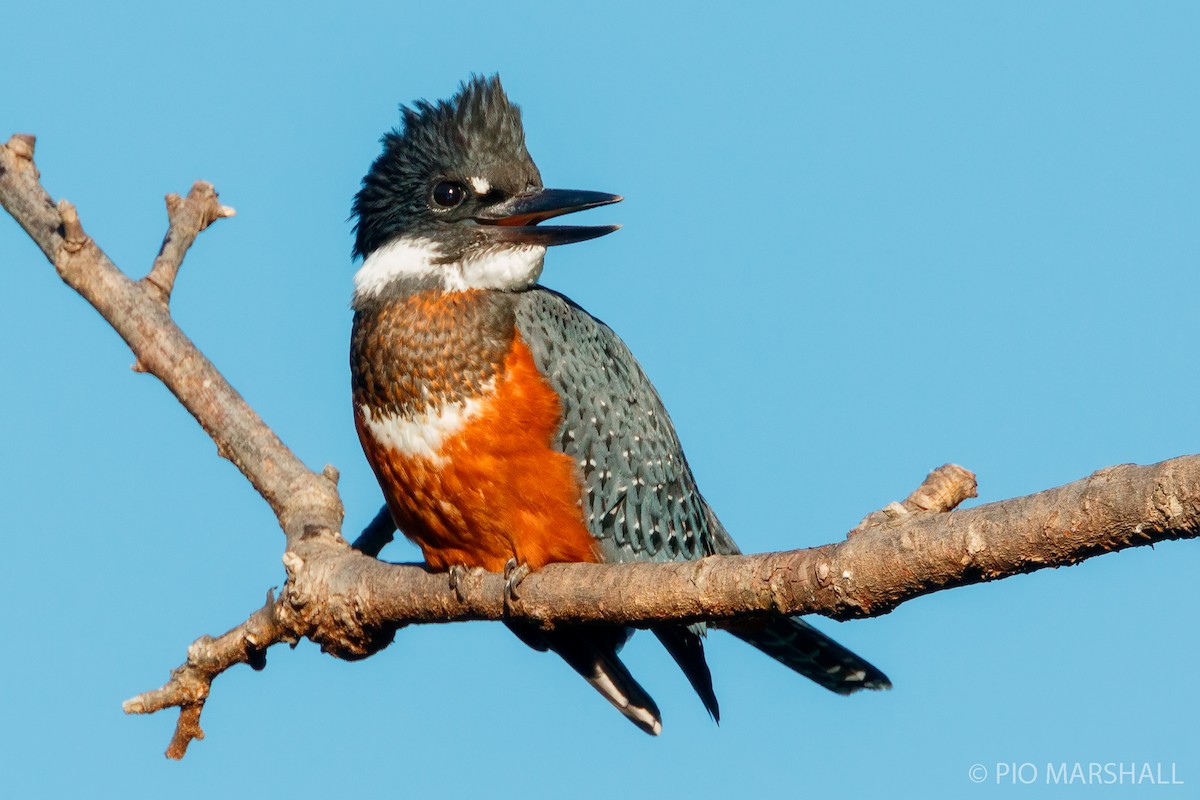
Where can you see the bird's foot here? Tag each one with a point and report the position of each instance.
(460, 576)
(514, 573)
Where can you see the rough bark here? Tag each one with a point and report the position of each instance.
(351, 604)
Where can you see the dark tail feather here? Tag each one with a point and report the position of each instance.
(801, 647)
(592, 652)
(597, 661)
(687, 648)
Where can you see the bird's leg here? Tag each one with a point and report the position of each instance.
(514, 573)
(459, 575)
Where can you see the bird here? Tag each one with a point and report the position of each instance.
(507, 426)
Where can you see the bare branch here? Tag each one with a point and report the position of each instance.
(207, 658)
(352, 604)
(944, 489)
(299, 497)
(186, 217)
(866, 575)
(187, 729)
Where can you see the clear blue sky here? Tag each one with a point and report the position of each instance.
(860, 240)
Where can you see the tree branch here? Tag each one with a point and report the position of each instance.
(137, 311)
(207, 658)
(187, 218)
(352, 604)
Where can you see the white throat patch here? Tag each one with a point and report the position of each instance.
(505, 267)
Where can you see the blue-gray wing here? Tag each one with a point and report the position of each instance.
(640, 499)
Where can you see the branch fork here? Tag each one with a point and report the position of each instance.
(187, 217)
(351, 604)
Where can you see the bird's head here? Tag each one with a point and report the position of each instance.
(455, 199)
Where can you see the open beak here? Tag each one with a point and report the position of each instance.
(515, 221)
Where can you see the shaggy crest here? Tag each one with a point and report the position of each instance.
(476, 133)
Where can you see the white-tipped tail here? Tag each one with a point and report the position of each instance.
(645, 717)
(593, 654)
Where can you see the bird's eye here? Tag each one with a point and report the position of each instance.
(448, 194)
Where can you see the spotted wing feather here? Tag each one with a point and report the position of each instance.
(640, 499)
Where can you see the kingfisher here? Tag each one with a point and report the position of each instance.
(506, 425)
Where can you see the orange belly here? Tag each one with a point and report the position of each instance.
(496, 489)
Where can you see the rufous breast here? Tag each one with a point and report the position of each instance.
(458, 424)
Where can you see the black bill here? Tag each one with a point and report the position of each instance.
(516, 220)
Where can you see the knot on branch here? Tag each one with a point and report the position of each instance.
(943, 489)
(21, 145)
(318, 603)
(74, 238)
(310, 509)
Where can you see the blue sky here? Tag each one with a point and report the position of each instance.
(860, 240)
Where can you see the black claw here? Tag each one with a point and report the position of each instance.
(514, 573)
(455, 576)
(458, 575)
